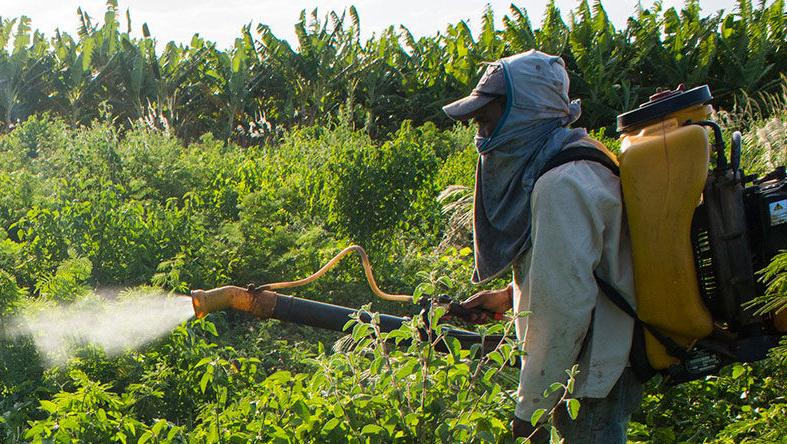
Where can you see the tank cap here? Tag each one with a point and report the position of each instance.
(663, 103)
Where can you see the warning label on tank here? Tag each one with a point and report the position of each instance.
(778, 212)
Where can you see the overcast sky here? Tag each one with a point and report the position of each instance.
(221, 20)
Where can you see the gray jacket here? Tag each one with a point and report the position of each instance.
(578, 226)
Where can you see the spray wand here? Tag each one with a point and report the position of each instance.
(264, 303)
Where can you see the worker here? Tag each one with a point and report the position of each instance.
(554, 231)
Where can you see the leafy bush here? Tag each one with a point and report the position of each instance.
(373, 188)
(68, 281)
(99, 205)
(10, 293)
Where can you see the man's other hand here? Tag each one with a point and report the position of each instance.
(486, 302)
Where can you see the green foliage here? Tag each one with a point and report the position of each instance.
(139, 206)
(262, 84)
(67, 282)
(374, 188)
(10, 293)
(367, 391)
(738, 406)
(110, 175)
(775, 275)
(90, 413)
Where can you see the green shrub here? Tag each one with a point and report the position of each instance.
(372, 188)
(10, 294)
(67, 284)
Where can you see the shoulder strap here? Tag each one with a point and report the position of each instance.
(580, 152)
(673, 348)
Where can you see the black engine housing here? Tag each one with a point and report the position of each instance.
(738, 228)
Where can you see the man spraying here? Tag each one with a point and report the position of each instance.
(558, 232)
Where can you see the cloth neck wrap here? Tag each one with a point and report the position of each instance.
(532, 130)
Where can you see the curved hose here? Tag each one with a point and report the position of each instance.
(367, 268)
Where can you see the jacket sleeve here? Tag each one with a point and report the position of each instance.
(568, 207)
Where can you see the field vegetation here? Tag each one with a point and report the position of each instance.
(263, 85)
(194, 167)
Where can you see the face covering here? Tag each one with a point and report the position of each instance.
(532, 130)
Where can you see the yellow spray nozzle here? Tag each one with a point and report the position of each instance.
(258, 303)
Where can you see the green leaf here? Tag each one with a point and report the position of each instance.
(48, 406)
(280, 377)
(376, 365)
(446, 281)
(554, 436)
(397, 335)
(407, 368)
(474, 349)
(424, 289)
(360, 331)
(728, 26)
(158, 427)
(119, 436)
(300, 409)
(203, 382)
(553, 388)
(211, 328)
(202, 362)
(145, 438)
(437, 313)
(497, 358)
(454, 346)
(536, 416)
(572, 405)
(371, 429)
(173, 432)
(331, 424)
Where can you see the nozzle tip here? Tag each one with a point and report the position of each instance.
(198, 302)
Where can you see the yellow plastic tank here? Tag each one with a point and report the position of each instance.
(664, 166)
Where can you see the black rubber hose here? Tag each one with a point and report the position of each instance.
(718, 142)
(334, 317)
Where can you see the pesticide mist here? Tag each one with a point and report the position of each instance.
(113, 325)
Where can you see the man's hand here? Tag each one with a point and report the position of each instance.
(491, 301)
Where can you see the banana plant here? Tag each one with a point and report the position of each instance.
(518, 33)
(600, 70)
(177, 100)
(330, 75)
(690, 46)
(553, 35)
(23, 70)
(76, 80)
(232, 79)
(748, 41)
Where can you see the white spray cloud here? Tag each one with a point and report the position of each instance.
(114, 325)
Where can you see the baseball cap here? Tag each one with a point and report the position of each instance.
(491, 86)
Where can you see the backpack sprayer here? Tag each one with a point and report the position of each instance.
(698, 236)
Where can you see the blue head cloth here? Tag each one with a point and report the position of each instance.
(532, 130)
